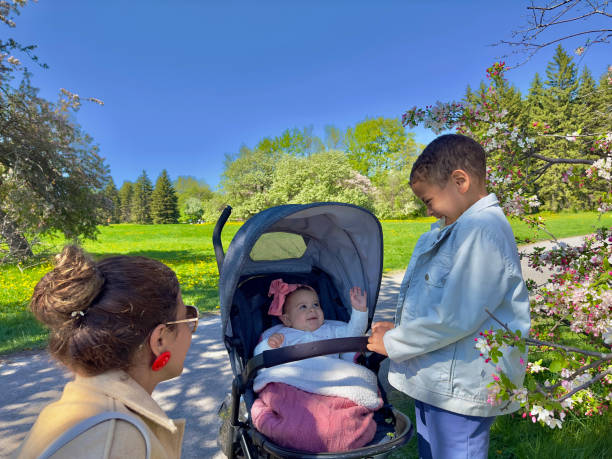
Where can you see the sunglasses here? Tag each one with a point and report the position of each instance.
(193, 315)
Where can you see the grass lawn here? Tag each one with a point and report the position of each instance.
(513, 437)
(188, 250)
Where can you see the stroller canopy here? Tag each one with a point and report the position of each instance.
(343, 240)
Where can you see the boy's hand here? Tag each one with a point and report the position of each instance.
(358, 299)
(375, 341)
(275, 340)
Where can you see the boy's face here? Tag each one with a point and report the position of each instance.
(302, 311)
(445, 202)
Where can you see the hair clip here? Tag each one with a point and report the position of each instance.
(77, 313)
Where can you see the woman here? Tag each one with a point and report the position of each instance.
(120, 325)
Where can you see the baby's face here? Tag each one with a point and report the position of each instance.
(302, 311)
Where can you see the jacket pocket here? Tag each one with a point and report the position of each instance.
(437, 272)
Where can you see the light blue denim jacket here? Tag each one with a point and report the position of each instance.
(455, 273)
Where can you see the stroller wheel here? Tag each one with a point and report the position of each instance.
(226, 440)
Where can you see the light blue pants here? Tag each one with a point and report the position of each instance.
(442, 434)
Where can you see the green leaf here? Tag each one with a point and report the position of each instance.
(557, 365)
(518, 333)
(531, 385)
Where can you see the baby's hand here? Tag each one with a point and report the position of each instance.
(358, 299)
(275, 340)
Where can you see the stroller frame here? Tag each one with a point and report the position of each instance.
(360, 239)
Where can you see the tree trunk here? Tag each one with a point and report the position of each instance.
(19, 247)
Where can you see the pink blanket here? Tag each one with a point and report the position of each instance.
(311, 422)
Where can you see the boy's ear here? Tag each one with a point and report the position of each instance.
(461, 180)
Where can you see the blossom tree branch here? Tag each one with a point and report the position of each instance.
(601, 355)
(558, 16)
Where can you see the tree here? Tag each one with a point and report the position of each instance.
(164, 207)
(394, 197)
(126, 193)
(292, 141)
(141, 199)
(334, 140)
(556, 108)
(113, 202)
(324, 176)
(377, 145)
(193, 211)
(51, 177)
(553, 22)
(246, 177)
(187, 187)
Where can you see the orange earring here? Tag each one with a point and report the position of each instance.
(161, 361)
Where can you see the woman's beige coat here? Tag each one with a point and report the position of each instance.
(88, 396)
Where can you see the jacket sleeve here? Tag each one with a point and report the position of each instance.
(479, 277)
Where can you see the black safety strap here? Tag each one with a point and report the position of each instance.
(303, 351)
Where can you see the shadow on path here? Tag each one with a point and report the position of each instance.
(32, 380)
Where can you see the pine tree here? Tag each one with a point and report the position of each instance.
(141, 200)
(594, 116)
(603, 111)
(126, 193)
(113, 209)
(557, 109)
(585, 108)
(164, 207)
(534, 106)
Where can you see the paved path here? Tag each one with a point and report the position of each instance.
(30, 380)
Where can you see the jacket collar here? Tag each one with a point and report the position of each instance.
(120, 386)
(488, 201)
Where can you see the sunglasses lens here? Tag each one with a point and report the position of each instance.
(193, 313)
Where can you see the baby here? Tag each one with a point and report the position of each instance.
(297, 306)
(319, 404)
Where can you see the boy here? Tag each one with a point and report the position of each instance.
(466, 263)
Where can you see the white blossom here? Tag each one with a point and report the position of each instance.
(482, 346)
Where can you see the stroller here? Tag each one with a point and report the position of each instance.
(329, 246)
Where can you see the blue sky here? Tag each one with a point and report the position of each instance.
(185, 82)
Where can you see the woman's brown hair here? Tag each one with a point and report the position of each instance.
(99, 313)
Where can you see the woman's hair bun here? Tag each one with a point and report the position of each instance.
(69, 288)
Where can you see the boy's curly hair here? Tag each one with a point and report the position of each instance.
(448, 153)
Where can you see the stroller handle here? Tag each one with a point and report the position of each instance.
(303, 351)
(217, 244)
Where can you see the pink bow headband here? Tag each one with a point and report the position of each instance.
(281, 290)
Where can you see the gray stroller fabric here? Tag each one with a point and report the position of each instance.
(343, 240)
